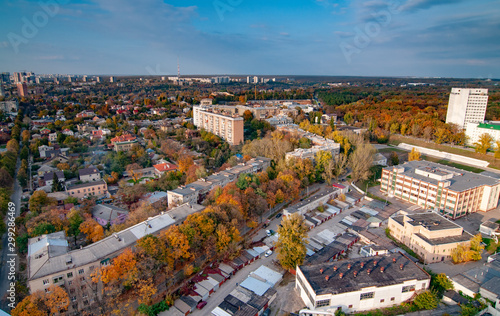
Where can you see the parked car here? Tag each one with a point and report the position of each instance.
(279, 215)
(201, 304)
(267, 312)
(268, 233)
(268, 253)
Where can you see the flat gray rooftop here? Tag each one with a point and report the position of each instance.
(461, 181)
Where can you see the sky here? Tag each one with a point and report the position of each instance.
(422, 38)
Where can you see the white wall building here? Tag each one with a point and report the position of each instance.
(467, 106)
(475, 130)
(360, 284)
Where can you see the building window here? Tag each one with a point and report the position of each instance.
(82, 279)
(323, 303)
(366, 296)
(350, 306)
(73, 298)
(392, 299)
(408, 288)
(382, 300)
(81, 271)
(70, 282)
(83, 287)
(46, 281)
(69, 275)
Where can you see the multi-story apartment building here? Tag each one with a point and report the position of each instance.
(230, 128)
(429, 235)
(467, 106)
(91, 189)
(360, 284)
(50, 261)
(450, 191)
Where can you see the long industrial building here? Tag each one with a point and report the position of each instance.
(450, 191)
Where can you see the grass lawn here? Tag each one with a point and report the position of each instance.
(452, 164)
(397, 139)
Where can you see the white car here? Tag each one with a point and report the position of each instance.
(268, 233)
(268, 253)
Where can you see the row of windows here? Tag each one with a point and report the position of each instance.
(68, 275)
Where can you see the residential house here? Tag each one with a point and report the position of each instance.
(90, 189)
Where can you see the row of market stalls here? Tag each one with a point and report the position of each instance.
(253, 296)
(208, 281)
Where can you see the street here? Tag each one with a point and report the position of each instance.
(4, 268)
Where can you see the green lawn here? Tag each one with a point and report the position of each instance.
(388, 150)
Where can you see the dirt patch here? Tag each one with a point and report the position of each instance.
(287, 300)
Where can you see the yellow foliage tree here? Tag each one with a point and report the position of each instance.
(414, 155)
(92, 229)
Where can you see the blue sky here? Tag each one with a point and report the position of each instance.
(445, 38)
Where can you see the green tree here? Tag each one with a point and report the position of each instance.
(394, 158)
(348, 118)
(426, 300)
(75, 220)
(38, 200)
(497, 149)
(291, 241)
(56, 184)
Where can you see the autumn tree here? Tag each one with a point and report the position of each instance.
(414, 155)
(483, 143)
(39, 200)
(497, 149)
(51, 302)
(122, 269)
(360, 162)
(291, 241)
(92, 229)
(63, 166)
(185, 162)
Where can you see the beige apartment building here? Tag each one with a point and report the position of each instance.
(51, 262)
(230, 128)
(90, 189)
(450, 191)
(429, 235)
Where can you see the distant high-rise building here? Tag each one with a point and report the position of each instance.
(37, 80)
(98, 79)
(219, 80)
(5, 77)
(22, 89)
(467, 106)
(252, 79)
(2, 92)
(18, 77)
(70, 79)
(111, 79)
(84, 78)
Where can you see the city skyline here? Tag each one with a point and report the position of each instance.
(419, 38)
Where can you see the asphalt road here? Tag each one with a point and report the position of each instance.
(4, 267)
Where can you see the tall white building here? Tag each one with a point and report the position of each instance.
(467, 106)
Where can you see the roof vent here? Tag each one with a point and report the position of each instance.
(394, 260)
(368, 271)
(349, 266)
(327, 277)
(335, 268)
(341, 275)
(355, 273)
(321, 270)
(382, 269)
(374, 263)
(401, 266)
(362, 264)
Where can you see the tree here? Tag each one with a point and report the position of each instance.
(394, 158)
(75, 220)
(497, 149)
(484, 143)
(63, 166)
(92, 229)
(426, 300)
(25, 135)
(360, 162)
(13, 146)
(414, 155)
(39, 199)
(442, 283)
(348, 118)
(51, 302)
(56, 184)
(291, 241)
(123, 268)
